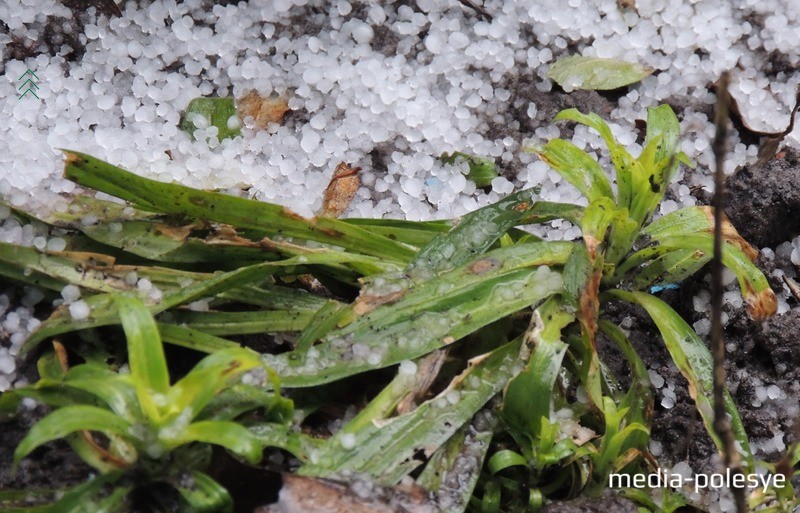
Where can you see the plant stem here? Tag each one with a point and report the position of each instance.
(722, 425)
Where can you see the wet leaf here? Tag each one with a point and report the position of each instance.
(206, 112)
(258, 110)
(301, 494)
(387, 449)
(340, 191)
(481, 170)
(431, 315)
(577, 167)
(66, 420)
(693, 359)
(527, 397)
(578, 72)
(454, 469)
(204, 494)
(241, 213)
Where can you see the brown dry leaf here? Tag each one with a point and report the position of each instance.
(262, 109)
(760, 305)
(427, 370)
(311, 495)
(627, 4)
(61, 355)
(340, 191)
(366, 303)
(768, 142)
(730, 234)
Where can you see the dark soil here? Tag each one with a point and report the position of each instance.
(51, 466)
(764, 201)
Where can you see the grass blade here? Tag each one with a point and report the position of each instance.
(193, 339)
(431, 316)
(472, 236)
(206, 495)
(145, 354)
(194, 391)
(239, 212)
(386, 451)
(230, 435)
(578, 168)
(693, 359)
(242, 323)
(454, 469)
(70, 419)
(527, 397)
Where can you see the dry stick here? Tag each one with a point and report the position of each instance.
(481, 10)
(722, 424)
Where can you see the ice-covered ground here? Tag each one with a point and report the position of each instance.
(387, 86)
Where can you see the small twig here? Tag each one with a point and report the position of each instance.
(481, 10)
(722, 425)
(794, 288)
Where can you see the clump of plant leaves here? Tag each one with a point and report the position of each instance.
(154, 431)
(458, 314)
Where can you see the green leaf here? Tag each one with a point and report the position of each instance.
(386, 450)
(577, 167)
(193, 339)
(578, 72)
(171, 198)
(325, 320)
(527, 397)
(639, 398)
(230, 435)
(204, 112)
(624, 163)
(759, 297)
(663, 127)
(473, 235)
(455, 467)
(237, 399)
(145, 354)
(212, 374)
(242, 323)
(481, 170)
(430, 315)
(681, 222)
(694, 361)
(301, 446)
(203, 494)
(414, 233)
(116, 390)
(104, 310)
(504, 459)
(90, 497)
(69, 419)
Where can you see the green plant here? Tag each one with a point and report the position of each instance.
(155, 431)
(516, 316)
(623, 255)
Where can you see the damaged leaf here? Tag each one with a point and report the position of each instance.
(301, 494)
(340, 191)
(258, 111)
